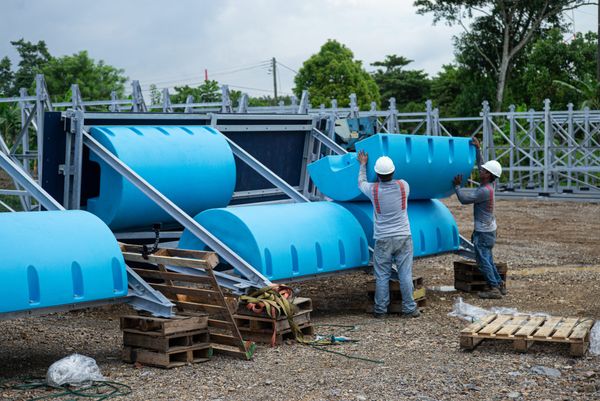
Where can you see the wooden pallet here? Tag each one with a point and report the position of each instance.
(164, 326)
(468, 277)
(248, 323)
(299, 304)
(277, 337)
(524, 330)
(170, 359)
(165, 344)
(191, 293)
(395, 306)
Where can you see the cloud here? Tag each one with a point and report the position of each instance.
(170, 43)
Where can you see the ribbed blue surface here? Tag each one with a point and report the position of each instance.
(427, 163)
(57, 258)
(432, 226)
(287, 240)
(192, 166)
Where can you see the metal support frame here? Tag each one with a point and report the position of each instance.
(141, 294)
(176, 213)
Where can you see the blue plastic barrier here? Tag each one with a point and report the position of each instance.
(192, 166)
(427, 163)
(432, 226)
(57, 258)
(285, 241)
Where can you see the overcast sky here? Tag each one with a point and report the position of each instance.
(170, 43)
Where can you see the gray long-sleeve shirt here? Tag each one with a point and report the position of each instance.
(389, 205)
(483, 202)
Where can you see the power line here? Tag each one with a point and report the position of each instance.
(285, 66)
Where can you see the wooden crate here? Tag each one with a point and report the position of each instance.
(524, 330)
(468, 278)
(395, 306)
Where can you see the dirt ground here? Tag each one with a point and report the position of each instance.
(553, 251)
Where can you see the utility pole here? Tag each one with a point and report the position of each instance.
(274, 67)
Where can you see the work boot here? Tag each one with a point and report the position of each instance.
(378, 315)
(493, 293)
(503, 290)
(414, 313)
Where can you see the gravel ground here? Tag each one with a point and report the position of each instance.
(553, 251)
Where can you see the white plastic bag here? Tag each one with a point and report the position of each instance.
(467, 311)
(595, 339)
(472, 313)
(74, 369)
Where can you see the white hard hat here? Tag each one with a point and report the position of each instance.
(384, 166)
(493, 167)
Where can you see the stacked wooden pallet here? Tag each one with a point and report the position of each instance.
(166, 343)
(468, 277)
(524, 330)
(395, 306)
(266, 330)
(193, 293)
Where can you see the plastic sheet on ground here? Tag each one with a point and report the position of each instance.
(74, 369)
(473, 313)
(595, 339)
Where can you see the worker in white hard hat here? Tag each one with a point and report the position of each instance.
(393, 241)
(484, 235)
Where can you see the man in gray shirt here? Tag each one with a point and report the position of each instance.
(484, 235)
(393, 241)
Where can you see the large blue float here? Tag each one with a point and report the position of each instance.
(57, 258)
(432, 226)
(427, 163)
(285, 241)
(192, 166)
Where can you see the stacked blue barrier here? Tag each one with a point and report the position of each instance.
(191, 165)
(285, 241)
(57, 258)
(427, 163)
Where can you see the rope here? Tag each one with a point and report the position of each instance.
(97, 391)
(275, 300)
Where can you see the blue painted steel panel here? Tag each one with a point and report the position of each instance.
(427, 163)
(192, 166)
(433, 227)
(285, 241)
(57, 258)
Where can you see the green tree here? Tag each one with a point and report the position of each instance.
(155, 95)
(407, 86)
(96, 80)
(32, 57)
(587, 89)
(500, 29)
(6, 77)
(209, 91)
(552, 59)
(333, 73)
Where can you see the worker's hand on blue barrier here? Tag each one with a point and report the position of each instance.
(363, 158)
(475, 142)
(457, 180)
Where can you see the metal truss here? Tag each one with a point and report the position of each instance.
(141, 295)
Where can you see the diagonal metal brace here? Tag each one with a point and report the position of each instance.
(143, 297)
(176, 212)
(265, 172)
